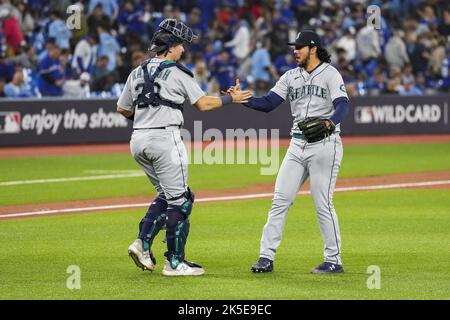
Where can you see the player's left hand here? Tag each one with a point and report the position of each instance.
(316, 129)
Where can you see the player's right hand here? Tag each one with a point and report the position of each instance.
(240, 96)
(236, 87)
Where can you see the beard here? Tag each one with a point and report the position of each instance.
(304, 63)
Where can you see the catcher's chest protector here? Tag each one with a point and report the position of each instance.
(148, 96)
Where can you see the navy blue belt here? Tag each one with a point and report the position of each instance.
(170, 126)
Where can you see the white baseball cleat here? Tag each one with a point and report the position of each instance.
(185, 268)
(142, 258)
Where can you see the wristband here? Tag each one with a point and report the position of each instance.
(226, 100)
(131, 118)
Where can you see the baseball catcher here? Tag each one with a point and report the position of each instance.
(153, 98)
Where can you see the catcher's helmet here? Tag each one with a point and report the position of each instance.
(170, 33)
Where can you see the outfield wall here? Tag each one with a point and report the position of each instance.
(60, 121)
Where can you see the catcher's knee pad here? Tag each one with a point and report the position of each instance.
(178, 225)
(154, 220)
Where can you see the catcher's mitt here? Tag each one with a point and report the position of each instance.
(315, 129)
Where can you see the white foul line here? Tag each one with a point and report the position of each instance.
(109, 176)
(231, 198)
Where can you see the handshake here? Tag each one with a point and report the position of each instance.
(237, 94)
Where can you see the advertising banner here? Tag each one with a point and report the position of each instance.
(58, 121)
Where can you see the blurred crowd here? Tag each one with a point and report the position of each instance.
(87, 48)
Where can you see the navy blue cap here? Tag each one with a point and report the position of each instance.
(306, 38)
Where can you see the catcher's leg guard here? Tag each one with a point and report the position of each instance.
(153, 221)
(178, 229)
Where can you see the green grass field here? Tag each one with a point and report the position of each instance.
(403, 232)
(359, 161)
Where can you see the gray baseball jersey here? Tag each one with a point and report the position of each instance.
(173, 85)
(311, 94)
(161, 152)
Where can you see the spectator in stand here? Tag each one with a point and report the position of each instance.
(249, 11)
(85, 54)
(17, 87)
(137, 58)
(199, 28)
(393, 86)
(168, 12)
(395, 51)
(284, 63)
(2, 87)
(356, 17)
(348, 43)
(6, 67)
(425, 23)
(240, 43)
(222, 68)
(110, 7)
(417, 52)
(409, 89)
(107, 83)
(26, 20)
(78, 89)
(101, 68)
(437, 56)
(66, 66)
(98, 19)
(224, 15)
(345, 67)
(2, 43)
(48, 45)
(445, 74)
(11, 31)
(59, 5)
(377, 84)
(50, 79)
(262, 69)
(444, 24)
(424, 84)
(279, 36)
(108, 46)
(11, 7)
(58, 30)
(100, 73)
(130, 20)
(368, 44)
(216, 30)
(304, 10)
(427, 20)
(200, 72)
(27, 58)
(407, 75)
(286, 11)
(207, 8)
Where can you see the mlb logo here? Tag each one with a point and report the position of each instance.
(363, 115)
(9, 122)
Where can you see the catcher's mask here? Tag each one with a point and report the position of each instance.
(171, 33)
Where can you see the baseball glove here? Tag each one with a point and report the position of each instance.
(315, 129)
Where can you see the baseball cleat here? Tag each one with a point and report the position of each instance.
(185, 268)
(263, 265)
(328, 268)
(144, 259)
